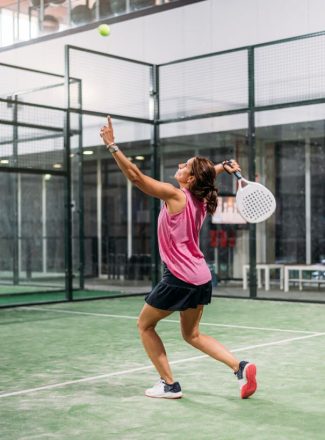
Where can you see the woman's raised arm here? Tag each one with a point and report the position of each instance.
(150, 186)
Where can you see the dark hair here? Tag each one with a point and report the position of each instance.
(203, 186)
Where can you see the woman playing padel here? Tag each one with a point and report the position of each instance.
(186, 283)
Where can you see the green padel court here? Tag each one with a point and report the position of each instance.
(79, 371)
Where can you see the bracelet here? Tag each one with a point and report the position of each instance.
(112, 148)
(226, 162)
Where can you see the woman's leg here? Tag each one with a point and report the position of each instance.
(190, 320)
(148, 319)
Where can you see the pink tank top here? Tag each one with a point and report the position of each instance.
(178, 237)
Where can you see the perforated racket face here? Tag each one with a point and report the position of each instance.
(255, 202)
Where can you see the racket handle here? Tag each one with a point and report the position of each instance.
(236, 173)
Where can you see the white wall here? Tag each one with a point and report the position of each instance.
(202, 27)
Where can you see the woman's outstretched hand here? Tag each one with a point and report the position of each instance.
(107, 133)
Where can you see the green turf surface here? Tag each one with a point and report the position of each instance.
(44, 297)
(47, 347)
(10, 289)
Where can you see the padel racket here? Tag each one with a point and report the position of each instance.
(254, 201)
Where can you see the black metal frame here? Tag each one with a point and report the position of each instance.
(155, 121)
(251, 170)
(155, 140)
(155, 172)
(65, 173)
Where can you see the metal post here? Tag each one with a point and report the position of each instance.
(19, 224)
(81, 194)
(155, 170)
(129, 219)
(308, 200)
(251, 169)
(68, 215)
(99, 217)
(69, 12)
(44, 225)
(15, 197)
(97, 10)
(41, 15)
(18, 24)
(30, 8)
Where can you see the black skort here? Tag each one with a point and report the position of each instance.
(173, 294)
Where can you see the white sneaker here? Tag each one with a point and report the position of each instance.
(164, 391)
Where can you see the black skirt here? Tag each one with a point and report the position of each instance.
(171, 293)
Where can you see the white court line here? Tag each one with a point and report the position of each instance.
(164, 320)
(148, 367)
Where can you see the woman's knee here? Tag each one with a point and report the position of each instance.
(149, 318)
(190, 337)
(143, 325)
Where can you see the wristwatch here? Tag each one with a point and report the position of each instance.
(112, 148)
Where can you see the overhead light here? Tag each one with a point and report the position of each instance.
(4, 161)
(139, 157)
(71, 155)
(47, 176)
(88, 152)
(57, 165)
(130, 158)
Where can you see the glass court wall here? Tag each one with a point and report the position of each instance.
(263, 105)
(231, 104)
(211, 94)
(33, 185)
(117, 224)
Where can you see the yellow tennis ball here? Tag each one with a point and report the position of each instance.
(104, 30)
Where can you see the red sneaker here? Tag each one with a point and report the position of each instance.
(247, 379)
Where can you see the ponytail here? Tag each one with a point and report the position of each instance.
(203, 187)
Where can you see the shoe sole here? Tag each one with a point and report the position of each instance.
(250, 387)
(169, 396)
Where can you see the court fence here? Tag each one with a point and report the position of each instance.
(68, 217)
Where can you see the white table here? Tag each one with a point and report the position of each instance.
(301, 268)
(266, 268)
